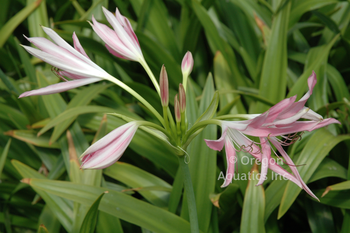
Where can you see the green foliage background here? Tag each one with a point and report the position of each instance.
(255, 52)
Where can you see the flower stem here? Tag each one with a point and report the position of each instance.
(150, 74)
(137, 96)
(191, 202)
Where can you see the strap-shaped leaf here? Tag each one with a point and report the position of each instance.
(313, 153)
(115, 203)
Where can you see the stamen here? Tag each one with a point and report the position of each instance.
(56, 71)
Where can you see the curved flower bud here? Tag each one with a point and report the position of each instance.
(182, 98)
(110, 148)
(177, 109)
(73, 62)
(187, 64)
(122, 41)
(164, 87)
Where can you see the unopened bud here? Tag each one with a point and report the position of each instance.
(164, 87)
(187, 64)
(177, 109)
(182, 97)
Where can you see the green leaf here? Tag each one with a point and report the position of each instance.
(273, 196)
(59, 206)
(12, 24)
(313, 153)
(17, 117)
(217, 43)
(30, 137)
(320, 217)
(223, 81)
(4, 156)
(327, 21)
(300, 7)
(42, 229)
(203, 168)
(37, 19)
(82, 98)
(72, 113)
(90, 220)
(28, 66)
(139, 180)
(338, 199)
(117, 204)
(253, 206)
(328, 168)
(274, 70)
(322, 53)
(336, 187)
(211, 110)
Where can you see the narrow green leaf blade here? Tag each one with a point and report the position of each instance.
(90, 220)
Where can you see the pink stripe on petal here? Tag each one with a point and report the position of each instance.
(65, 64)
(279, 170)
(115, 53)
(111, 153)
(78, 46)
(70, 75)
(216, 144)
(231, 159)
(112, 39)
(292, 166)
(109, 138)
(62, 43)
(59, 87)
(265, 157)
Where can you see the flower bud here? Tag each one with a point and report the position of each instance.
(182, 97)
(177, 109)
(187, 64)
(164, 87)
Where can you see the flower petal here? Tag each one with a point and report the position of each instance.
(109, 151)
(110, 137)
(292, 166)
(265, 157)
(78, 46)
(216, 144)
(66, 65)
(59, 87)
(231, 159)
(62, 43)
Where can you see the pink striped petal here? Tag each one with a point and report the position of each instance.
(265, 157)
(292, 166)
(216, 144)
(111, 38)
(62, 43)
(231, 159)
(110, 148)
(115, 53)
(83, 69)
(59, 87)
(78, 46)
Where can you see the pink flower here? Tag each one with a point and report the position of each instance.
(279, 120)
(110, 148)
(73, 63)
(122, 41)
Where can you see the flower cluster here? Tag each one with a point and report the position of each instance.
(279, 120)
(270, 127)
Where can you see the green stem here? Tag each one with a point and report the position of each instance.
(150, 74)
(199, 125)
(165, 116)
(191, 202)
(137, 96)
